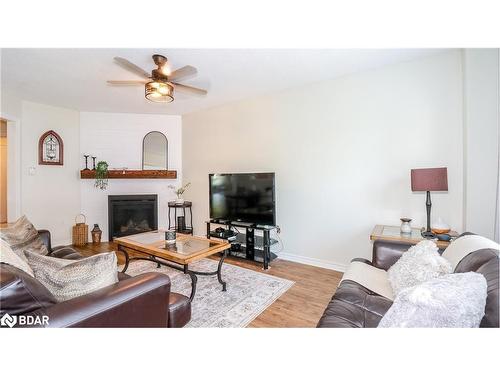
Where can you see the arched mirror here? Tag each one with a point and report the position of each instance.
(155, 151)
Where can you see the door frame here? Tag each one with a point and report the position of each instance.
(13, 166)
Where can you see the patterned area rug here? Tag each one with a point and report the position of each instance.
(248, 293)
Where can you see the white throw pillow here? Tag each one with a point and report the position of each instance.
(456, 300)
(67, 279)
(420, 263)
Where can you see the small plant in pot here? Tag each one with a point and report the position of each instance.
(101, 175)
(179, 192)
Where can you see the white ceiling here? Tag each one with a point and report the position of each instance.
(76, 78)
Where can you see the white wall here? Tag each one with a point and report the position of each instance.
(342, 151)
(117, 139)
(50, 197)
(481, 99)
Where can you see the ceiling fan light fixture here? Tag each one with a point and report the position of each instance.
(165, 69)
(159, 92)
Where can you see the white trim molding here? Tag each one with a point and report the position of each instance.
(14, 208)
(312, 261)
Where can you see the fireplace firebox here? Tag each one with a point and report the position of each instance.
(132, 214)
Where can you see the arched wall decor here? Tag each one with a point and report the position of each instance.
(155, 151)
(50, 149)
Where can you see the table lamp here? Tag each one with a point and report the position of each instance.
(429, 179)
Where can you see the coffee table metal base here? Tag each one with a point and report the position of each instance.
(184, 268)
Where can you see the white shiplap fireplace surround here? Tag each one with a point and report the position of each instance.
(117, 139)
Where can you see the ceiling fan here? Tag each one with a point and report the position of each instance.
(160, 84)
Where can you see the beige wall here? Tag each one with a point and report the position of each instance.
(342, 151)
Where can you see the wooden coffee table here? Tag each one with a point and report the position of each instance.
(179, 255)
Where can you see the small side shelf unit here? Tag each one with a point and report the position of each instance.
(179, 222)
(246, 244)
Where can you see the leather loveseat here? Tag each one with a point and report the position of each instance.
(140, 301)
(356, 306)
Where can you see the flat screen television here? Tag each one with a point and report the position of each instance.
(246, 197)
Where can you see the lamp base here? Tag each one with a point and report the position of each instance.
(428, 235)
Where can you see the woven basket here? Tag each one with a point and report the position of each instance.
(80, 231)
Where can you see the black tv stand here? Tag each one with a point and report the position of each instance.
(246, 245)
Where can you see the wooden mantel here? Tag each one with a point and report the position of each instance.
(130, 173)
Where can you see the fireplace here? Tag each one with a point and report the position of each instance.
(132, 214)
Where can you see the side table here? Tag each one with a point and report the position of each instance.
(179, 223)
(392, 233)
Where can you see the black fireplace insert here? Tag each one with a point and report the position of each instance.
(132, 214)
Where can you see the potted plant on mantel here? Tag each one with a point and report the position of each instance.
(179, 192)
(101, 175)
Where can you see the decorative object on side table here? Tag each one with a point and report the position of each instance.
(96, 234)
(101, 175)
(179, 192)
(86, 162)
(181, 223)
(405, 225)
(80, 231)
(440, 227)
(50, 149)
(93, 162)
(444, 237)
(429, 179)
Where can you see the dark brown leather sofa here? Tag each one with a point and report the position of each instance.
(140, 301)
(354, 306)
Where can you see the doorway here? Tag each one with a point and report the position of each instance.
(3, 171)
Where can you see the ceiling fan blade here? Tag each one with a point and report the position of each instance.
(189, 89)
(182, 73)
(131, 67)
(127, 83)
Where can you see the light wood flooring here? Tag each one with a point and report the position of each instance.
(301, 306)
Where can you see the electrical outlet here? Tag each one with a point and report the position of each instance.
(278, 229)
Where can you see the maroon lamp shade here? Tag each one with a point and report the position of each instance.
(429, 179)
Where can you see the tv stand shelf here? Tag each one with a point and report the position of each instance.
(246, 245)
(258, 255)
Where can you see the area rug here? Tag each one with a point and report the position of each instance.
(248, 293)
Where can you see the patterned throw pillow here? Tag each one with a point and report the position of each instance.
(8, 256)
(67, 279)
(420, 263)
(21, 236)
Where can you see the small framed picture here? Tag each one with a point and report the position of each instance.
(50, 149)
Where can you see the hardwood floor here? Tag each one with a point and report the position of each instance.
(301, 306)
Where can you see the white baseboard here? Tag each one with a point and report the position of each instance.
(312, 261)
